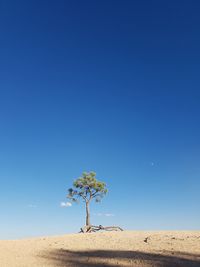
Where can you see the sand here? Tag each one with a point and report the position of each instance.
(128, 248)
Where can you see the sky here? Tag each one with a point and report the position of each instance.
(107, 86)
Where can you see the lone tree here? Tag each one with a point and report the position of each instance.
(88, 188)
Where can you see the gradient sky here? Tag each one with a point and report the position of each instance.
(109, 86)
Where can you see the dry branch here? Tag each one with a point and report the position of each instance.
(94, 228)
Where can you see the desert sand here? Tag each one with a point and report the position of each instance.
(128, 248)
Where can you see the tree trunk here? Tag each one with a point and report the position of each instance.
(87, 214)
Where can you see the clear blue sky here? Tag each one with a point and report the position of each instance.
(109, 86)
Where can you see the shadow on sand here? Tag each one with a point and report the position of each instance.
(106, 258)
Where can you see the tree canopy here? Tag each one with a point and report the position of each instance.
(87, 187)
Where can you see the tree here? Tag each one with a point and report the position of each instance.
(88, 188)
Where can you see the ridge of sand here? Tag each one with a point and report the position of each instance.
(109, 249)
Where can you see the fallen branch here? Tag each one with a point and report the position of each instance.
(94, 228)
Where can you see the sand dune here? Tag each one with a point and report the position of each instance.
(109, 249)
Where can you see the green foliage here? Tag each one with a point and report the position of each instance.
(87, 187)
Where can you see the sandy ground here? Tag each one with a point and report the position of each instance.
(111, 249)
